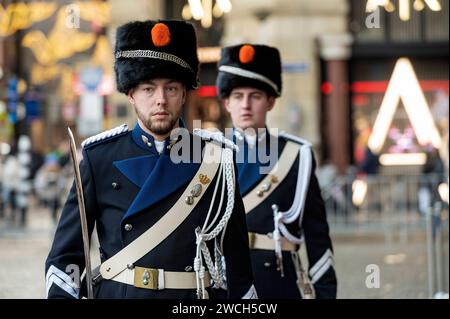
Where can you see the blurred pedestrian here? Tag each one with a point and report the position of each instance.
(433, 174)
(24, 187)
(47, 184)
(370, 163)
(2, 204)
(11, 180)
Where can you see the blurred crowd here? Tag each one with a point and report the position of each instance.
(29, 179)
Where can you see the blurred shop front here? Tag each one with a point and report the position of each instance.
(56, 68)
(55, 62)
(386, 121)
(384, 128)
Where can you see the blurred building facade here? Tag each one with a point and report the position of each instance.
(55, 61)
(337, 62)
(381, 38)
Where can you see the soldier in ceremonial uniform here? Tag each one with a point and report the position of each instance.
(277, 181)
(170, 222)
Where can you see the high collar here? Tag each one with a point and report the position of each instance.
(250, 158)
(250, 140)
(147, 142)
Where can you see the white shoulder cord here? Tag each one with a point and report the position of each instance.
(296, 210)
(202, 253)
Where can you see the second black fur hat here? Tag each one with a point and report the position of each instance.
(249, 65)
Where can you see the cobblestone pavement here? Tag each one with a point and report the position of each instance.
(402, 269)
(22, 256)
(402, 265)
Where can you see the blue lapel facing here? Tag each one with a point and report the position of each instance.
(248, 176)
(137, 169)
(155, 174)
(165, 178)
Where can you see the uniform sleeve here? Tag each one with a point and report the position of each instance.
(318, 241)
(236, 252)
(65, 262)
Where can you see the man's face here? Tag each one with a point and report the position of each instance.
(248, 107)
(158, 104)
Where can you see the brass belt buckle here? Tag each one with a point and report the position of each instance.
(146, 278)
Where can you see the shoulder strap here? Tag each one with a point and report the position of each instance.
(269, 183)
(215, 136)
(170, 221)
(105, 136)
(295, 139)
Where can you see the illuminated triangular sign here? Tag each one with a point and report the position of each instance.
(404, 85)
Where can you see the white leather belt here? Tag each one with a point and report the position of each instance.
(259, 241)
(158, 279)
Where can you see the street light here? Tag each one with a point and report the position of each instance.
(204, 10)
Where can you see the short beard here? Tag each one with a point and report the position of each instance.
(158, 128)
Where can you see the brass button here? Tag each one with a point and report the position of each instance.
(189, 200)
(128, 227)
(115, 185)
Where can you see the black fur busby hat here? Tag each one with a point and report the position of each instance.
(256, 66)
(146, 50)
